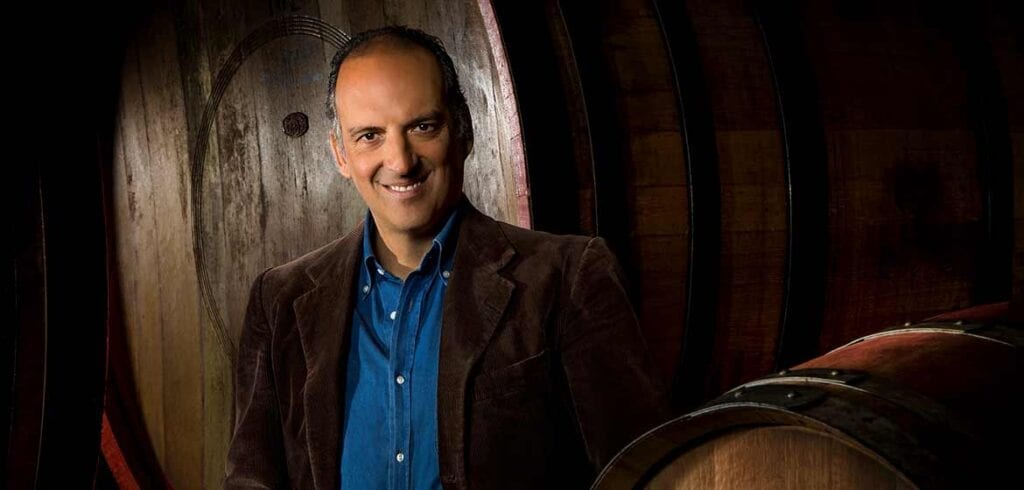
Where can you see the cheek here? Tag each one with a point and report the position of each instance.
(361, 168)
(439, 153)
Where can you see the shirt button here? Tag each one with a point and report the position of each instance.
(393, 314)
(400, 457)
(400, 379)
(380, 271)
(366, 288)
(446, 274)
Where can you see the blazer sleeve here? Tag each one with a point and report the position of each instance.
(256, 454)
(615, 392)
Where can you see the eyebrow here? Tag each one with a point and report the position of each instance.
(435, 115)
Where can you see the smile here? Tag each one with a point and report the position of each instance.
(404, 188)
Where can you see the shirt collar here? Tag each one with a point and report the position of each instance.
(443, 246)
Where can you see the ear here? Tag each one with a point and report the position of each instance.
(340, 158)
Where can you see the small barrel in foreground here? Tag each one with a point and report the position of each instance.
(931, 405)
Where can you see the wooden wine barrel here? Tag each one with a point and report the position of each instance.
(777, 177)
(602, 133)
(856, 186)
(929, 405)
(222, 168)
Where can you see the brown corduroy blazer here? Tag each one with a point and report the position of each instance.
(543, 373)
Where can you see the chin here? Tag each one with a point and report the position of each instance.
(412, 227)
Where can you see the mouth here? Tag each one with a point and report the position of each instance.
(406, 187)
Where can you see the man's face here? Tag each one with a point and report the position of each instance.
(397, 142)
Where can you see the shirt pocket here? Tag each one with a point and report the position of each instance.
(528, 375)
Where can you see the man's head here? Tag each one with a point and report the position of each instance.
(401, 127)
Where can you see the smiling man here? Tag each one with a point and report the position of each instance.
(432, 345)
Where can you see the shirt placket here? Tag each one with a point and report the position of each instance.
(403, 347)
(389, 306)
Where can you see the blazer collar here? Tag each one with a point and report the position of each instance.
(323, 315)
(474, 303)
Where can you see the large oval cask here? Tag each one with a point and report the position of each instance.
(222, 168)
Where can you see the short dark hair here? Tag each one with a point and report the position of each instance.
(462, 122)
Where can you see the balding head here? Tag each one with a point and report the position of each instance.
(405, 38)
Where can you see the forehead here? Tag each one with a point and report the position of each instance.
(389, 77)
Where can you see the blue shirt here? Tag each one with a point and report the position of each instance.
(389, 431)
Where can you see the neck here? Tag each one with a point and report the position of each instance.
(400, 254)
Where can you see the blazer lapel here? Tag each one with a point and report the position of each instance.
(473, 305)
(323, 315)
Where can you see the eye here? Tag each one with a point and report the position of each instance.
(367, 137)
(425, 127)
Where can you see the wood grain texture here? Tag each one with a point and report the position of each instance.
(905, 197)
(777, 458)
(905, 219)
(934, 405)
(656, 177)
(166, 338)
(508, 114)
(266, 196)
(753, 189)
(136, 254)
(629, 65)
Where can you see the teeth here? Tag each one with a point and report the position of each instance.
(404, 188)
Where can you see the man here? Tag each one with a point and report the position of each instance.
(432, 346)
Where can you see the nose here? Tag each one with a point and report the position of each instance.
(399, 157)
